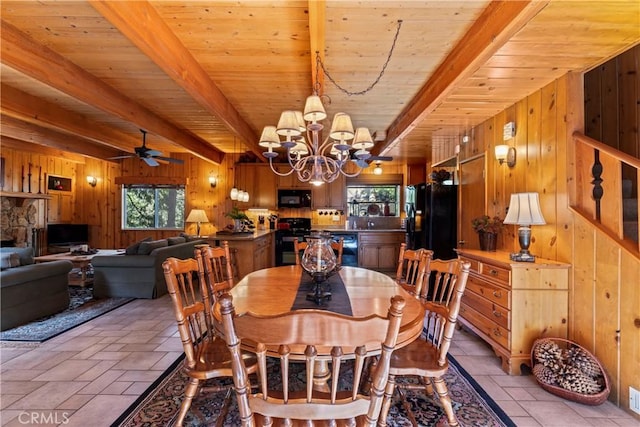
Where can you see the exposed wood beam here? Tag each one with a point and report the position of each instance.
(317, 31)
(144, 27)
(29, 132)
(23, 106)
(22, 53)
(16, 144)
(499, 21)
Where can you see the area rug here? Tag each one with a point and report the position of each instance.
(159, 404)
(82, 308)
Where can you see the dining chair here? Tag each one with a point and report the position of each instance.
(338, 248)
(206, 355)
(311, 337)
(214, 268)
(299, 247)
(412, 266)
(426, 357)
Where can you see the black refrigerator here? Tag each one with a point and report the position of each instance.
(432, 211)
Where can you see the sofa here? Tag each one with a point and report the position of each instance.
(29, 291)
(137, 273)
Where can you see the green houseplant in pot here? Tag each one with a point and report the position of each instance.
(487, 228)
(238, 218)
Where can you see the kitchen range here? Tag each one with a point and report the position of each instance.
(300, 228)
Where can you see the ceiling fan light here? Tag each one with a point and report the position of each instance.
(313, 109)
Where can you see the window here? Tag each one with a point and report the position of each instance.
(150, 207)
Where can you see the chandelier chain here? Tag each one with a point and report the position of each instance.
(320, 64)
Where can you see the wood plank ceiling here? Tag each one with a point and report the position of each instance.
(206, 77)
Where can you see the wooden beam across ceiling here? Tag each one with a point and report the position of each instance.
(20, 130)
(24, 54)
(23, 106)
(497, 23)
(22, 146)
(144, 27)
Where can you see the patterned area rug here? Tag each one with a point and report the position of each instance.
(82, 308)
(159, 405)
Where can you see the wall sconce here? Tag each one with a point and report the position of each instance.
(213, 181)
(507, 154)
(92, 180)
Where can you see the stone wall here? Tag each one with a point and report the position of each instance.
(17, 220)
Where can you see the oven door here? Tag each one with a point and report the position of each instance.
(349, 249)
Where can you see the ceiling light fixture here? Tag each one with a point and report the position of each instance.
(236, 194)
(377, 170)
(313, 160)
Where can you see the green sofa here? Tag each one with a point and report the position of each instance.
(138, 272)
(29, 291)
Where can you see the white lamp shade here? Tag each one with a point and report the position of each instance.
(233, 195)
(501, 152)
(341, 127)
(362, 140)
(301, 124)
(300, 148)
(313, 109)
(288, 124)
(524, 209)
(269, 137)
(197, 215)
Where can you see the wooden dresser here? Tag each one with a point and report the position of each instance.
(509, 304)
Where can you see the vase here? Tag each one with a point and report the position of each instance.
(488, 241)
(237, 225)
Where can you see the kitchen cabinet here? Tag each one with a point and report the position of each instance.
(379, 250)
(329, 195)
(260, 181)
(510, 304)
(290, 181)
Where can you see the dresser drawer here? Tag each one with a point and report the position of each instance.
(489, 328)
(493, 293)
(475, 265)
(489, 309)
(495, 274)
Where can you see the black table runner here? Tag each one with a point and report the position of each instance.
(339, 302)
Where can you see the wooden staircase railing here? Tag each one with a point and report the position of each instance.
(606, 190)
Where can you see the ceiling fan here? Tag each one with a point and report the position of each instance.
(149, 155)
(365, 160)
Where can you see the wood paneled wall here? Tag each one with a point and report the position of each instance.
(100, 206)
(604, 300)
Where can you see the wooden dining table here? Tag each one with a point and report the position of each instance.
(277, 290)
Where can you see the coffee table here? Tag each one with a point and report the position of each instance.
(83, 262)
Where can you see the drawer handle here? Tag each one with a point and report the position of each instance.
(493, 272)
(497, 313)
(497, 294)
(497, 333)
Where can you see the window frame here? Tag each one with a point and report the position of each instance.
(156, 187)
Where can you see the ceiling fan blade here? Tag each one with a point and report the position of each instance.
(150, 161)
(381, 158)
(169, 159)
(152, 153)
(128, 156)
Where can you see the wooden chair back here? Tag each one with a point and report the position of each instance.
(338, 248)
(313, 337)
(299, 247)
(441, 299)
(412, 267)
(214, 268)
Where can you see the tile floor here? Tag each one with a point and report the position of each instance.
(91, 374)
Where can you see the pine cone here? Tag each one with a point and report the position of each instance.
(549, 354)
(544, 374)
(575, 380)
(568, 375)
(582, 360)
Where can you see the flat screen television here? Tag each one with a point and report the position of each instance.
(67, 234)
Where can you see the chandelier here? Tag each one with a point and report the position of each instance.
(312, 159)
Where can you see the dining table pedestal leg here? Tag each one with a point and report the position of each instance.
(321, 376)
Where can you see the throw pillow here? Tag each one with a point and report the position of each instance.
(133, 249)
(5, 261)
(147, 247)
(14, 259)
(176, 240)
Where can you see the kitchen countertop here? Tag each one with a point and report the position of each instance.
(363, 230)
(241, 236)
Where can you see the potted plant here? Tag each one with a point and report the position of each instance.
(487, 229)
(238, 218)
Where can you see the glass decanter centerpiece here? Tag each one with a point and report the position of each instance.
(319, 261)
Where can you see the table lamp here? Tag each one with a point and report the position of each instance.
(524, 210)
(198, 216)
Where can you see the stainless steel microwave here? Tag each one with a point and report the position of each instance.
(294, 198)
